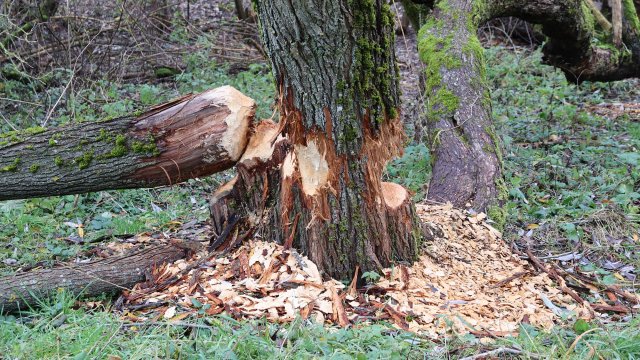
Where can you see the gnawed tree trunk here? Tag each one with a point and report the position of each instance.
(104, 276)
(461, 136)
(193, 136)
(314, 180)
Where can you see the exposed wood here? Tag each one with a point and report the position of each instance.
(193, 136)
(23, 290)
(314, 181)
(616, 20)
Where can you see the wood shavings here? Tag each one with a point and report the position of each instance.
(467, 281)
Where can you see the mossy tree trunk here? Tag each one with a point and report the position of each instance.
(193, 136)
(459, 130)
(460, 133)
(313, 181)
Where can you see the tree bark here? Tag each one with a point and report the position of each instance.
(193, 136)
(314, 180)
(104, 276)
(461, 136)
(571, 31)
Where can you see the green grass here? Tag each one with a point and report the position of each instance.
(62, 330)
(565, 167)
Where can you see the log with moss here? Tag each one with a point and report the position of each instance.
(458, 128)
(104, 276)
(194, 136)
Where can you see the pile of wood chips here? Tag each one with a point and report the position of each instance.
(615, 110)
(467, 280)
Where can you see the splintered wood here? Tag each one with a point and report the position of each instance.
(467, 280)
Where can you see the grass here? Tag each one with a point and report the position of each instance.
(573, 177)
(60, 329)
(556, 188)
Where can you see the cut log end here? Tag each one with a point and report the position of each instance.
(395, 195)
(242, 109)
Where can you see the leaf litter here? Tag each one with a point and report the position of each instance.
(467, 281)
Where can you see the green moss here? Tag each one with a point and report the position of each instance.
(33, 130)
(10, 137)
(53, 141)
(499, 216)
(85, 160)
(55, 178)
(436, 53)
(373, 80)
(13, 167)
(146, 147)
(589, 18)
(447, 99)
(104, 136)
(121, 147)
(34, 168)
(630, 14)
(58, 161)
(165, 71)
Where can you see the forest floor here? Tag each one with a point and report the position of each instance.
(572, 175)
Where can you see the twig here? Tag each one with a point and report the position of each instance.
(169, 323)
(498, 351)
(575, 342)
(510, 278)
(53, 108)
(554, 275)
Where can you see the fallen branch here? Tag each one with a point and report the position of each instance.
(610, 288)
(616, 308)
(111, 275)
(554, 275)
(194, 136)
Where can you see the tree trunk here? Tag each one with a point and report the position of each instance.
(314, 180)
(461, 136)
(193, 136)
(104, 276)
(466, 153)
(571, 31)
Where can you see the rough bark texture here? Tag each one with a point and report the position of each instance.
(461, 137)
(193, 136)
(314, 182)
(573, 44)
(466, 168)
(105, 276)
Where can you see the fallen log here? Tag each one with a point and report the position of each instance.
(193, 136)
(105, 276)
